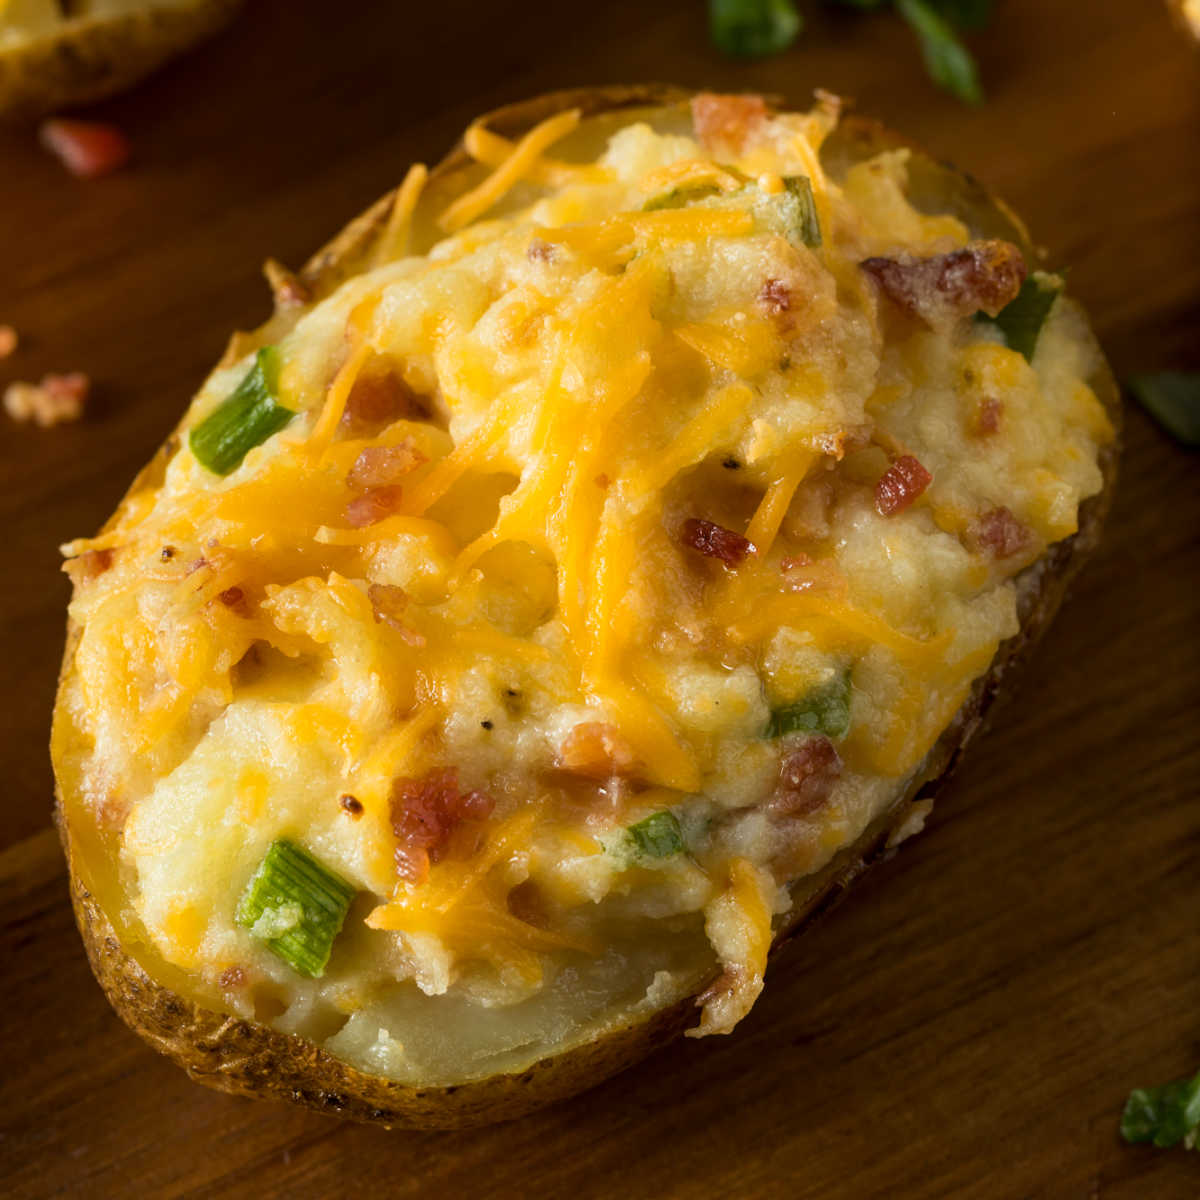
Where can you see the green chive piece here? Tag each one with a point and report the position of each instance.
(826, 709)
(947, 60)
(680, 197)
(800, 211)
(1172, 398)
(658, 836)
(296, 905)
(1165, 1115)
(245, 420)
(753, 28)
(1022, 319)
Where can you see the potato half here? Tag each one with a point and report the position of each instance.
(163, 1002)
(50, 59)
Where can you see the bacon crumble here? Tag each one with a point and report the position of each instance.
(1000, 533)
(58, 398)
(775, 296)
(727, 122)
(378, 397)
(715, 541)
(351, 805)
(388, 604)
(373, 506)
(383, 466)
(232, 977)
(983, 276)
(807, 776)
(987, 416)
(425, 813)
(900, 485)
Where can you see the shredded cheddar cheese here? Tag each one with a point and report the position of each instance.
(624, 558)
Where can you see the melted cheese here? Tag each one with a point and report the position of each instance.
(594, 378)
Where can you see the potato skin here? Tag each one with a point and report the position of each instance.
(238, 1056)
(95, 58)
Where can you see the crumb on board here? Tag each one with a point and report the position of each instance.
(58, 398)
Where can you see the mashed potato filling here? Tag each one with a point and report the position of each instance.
(629, 549)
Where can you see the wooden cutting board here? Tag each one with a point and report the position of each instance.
(970, 1022)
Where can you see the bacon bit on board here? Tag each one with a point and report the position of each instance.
(727, 122)
(287, 288)
(806, 777)
(379, 396)
(350, 804)
(424, 813)
(596, 750)
(89, 565)
(715, 541)
(987, 416)
(56, 399)
(983, 275)
(373, 506)
(388, 603)
(383, 466)
(88, 149)
(1000, 533)
(8, 340)
(233, 977)
(775, 296)
(900, 485)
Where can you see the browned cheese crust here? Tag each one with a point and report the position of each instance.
(93, 58)
(237, 1056)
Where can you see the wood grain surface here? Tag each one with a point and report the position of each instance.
(969, 1023)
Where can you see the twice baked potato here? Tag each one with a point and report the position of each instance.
(54, 54)
(601, 556)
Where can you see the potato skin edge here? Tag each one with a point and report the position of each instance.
(243, 1058)
(99, 57)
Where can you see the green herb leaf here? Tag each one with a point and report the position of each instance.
(681, 197)
(1172, 398)
(966, 14)
(1021, 320)
(1165, 1115)
(245, 420)
(800, 211)
(947, 60)
(825, 709)
(296, 905)
(753, 28)
(658, 836)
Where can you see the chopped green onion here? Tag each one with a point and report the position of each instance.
(658, 836)
(946, 59)
(800, 211)
(296, 906)
(826, 709)
(1172, 398)
(1021, 320)
(245, 419)
(753, 28)
(681, 196)
(1165, 1115)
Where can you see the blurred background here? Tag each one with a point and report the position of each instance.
(971, 1022)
